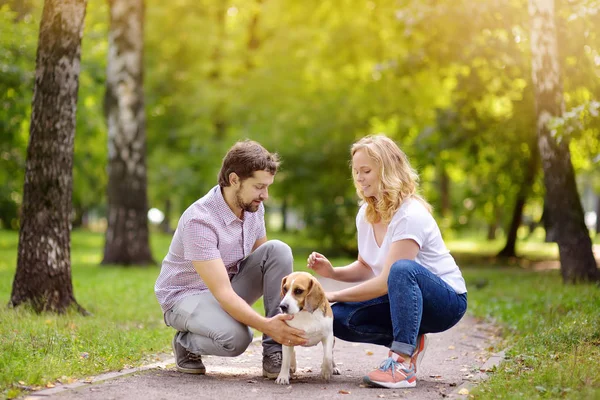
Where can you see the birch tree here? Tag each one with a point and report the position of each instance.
(127, 240)
(43, 275)
(562, 199)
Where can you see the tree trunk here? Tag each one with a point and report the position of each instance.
(43, 275)
(284, 211)
(564, 205)
(509, 249)
(598, 215)
(253, 40)
(165, 225)
(127, 239)
(444, 191)
(219, 113)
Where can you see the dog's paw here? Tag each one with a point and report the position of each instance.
(334, 369)
(282, 380)
(326, 373)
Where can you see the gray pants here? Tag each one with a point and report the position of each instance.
(206, 329)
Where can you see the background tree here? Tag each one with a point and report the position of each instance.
(43, 275)
(562, 199)
(127, 240)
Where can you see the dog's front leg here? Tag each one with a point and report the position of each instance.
(293, 361)
(327, 366)
(284, 374)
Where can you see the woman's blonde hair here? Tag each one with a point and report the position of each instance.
(398, 181)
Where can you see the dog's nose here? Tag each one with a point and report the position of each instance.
(284, 308)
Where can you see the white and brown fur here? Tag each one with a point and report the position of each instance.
(304, 298)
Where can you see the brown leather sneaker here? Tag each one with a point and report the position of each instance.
(186, 362)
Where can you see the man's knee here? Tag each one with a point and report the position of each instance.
(279, 250)
(235, 342)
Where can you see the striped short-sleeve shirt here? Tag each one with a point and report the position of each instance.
(206, 231)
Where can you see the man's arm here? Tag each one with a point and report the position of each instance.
(259, 242)
(214, 274)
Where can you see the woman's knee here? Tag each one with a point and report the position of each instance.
(403, 268)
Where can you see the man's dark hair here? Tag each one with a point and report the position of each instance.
(244, 158)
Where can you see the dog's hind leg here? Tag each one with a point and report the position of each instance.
(327, 366)
(334, 368)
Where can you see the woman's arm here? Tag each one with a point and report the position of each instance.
(357, 271)
(406, 249)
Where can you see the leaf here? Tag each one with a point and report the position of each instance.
(463, 391)
(342, 391)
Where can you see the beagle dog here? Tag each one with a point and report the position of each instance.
(304, 298)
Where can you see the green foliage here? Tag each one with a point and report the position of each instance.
(17, 54)
(449, 80)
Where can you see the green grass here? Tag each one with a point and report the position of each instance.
(552, 330)
(125, 328)
(552, 333)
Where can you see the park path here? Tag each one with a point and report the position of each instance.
(454, 362)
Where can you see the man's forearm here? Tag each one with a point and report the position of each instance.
(235, 306)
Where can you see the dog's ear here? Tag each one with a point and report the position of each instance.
(282, 285)
(314, 296)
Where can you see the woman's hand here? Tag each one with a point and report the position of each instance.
(331, 296)
(320, 264)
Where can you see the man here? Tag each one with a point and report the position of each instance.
(220, 262)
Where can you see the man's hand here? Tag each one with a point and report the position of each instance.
(282, 332)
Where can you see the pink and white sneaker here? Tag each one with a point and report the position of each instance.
(392, 375)
(417, 357)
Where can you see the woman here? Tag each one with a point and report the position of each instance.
(411, 285)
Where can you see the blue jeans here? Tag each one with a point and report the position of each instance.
(417, 302)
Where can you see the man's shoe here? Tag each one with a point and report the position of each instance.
(417, 357)
(272, 365)
(185, 361)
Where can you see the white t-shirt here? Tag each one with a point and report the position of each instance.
(411, 221)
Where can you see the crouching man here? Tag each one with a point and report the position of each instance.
(220, 262)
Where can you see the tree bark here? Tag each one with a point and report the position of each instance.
(165, 225)
(253, 39)
(598, 215)
(445, 200)
(127, 237)
(564, 205)
(43, 275)
(509, 249)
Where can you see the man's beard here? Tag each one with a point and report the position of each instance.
(250, 207)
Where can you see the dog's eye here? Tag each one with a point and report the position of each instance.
(298, 291)
(284, 290)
